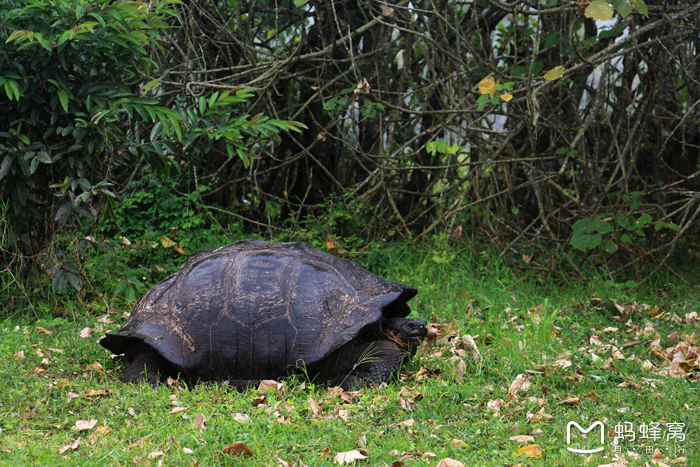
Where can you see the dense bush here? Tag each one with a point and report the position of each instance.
(563, 134)
(84, 111)
(501, 122)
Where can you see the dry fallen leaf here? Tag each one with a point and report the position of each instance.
(85, 332)
(156, 454)
(447, 462)
(522, 438)
(97, 366)
(105, 319)
(269, 385)
(521, 383)
(456, 443)
(349, 457)
(657, 458)
(82, 425)
(103, 430)
(239, 448)
(460, 368)
(408, 423)
(433, 334)
(178, 409)
(200, 422)
(495, 405)
(72, 446)
(313, 406)
(19, 354)
(96, 392)
(617, 354)
(570, 401)
(241, 418)
(673, 370)
(531, 450)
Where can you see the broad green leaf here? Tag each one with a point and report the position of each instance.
(8, 90)
(154, 83)
(144, 100)
(623, 221)
(614, 32)
(585, 242)
(624, 7)
(583, 226)
(609, 246)
(643, 220)
(5, 166)
(63, 97)
(599, 10)
(34, 165)
(555, 73)
(44, 157)
(642, 8)
(633, 199)
(300, 2)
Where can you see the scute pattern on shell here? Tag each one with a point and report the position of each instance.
(254, 309)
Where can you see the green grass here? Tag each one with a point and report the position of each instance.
(522, 327)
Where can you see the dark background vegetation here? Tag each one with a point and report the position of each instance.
(166, 128)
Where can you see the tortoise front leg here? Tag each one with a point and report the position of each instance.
(145, 364)
(376, 362)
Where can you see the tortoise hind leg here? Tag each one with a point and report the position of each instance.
(146, 364)
(376, 362)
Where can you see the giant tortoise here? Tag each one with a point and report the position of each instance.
(255, 310)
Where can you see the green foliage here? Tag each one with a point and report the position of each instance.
(69, 66)
(155, 225)
(442, 147)
(590, 233)
(75, 118)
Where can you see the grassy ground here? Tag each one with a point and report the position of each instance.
(547, 355)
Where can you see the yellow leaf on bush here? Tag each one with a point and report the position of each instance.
(506, 97)
(488, 86)
(554, 73)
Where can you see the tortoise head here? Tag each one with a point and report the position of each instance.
(405, 332)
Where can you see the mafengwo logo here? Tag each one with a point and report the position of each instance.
(591, 448)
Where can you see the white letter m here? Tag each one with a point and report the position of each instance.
(590, 428)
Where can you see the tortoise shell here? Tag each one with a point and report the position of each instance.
(255, 310)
